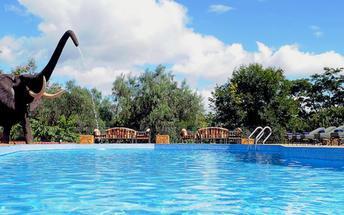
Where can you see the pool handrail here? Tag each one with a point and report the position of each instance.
(260, 135)
(254, 131)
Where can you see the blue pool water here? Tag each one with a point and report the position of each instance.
(165, 181)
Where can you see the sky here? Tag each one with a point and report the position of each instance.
(200, 41)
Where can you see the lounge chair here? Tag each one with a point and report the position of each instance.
(97, 136)
(289, 137)
(187, 136)
(143, 136)
(235, 136)
(337, 136)
(299, 137)
(311, 135)
(324, 137)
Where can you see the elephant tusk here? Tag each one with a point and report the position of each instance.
(52, 96)
(41, 92)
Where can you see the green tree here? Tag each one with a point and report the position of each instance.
(73, 113)
(255, 96)
(154, 100)
(106, 112)
(321, 98)
(332, 116)
(29, 67)
(75, 103)
(321, 90)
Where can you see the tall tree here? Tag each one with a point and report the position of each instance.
(321, 90)
(73, 113)
(154, 100)
(321, 98)
(255, 96)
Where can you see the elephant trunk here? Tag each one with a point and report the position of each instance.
(49, 68)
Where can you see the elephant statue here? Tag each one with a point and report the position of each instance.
(20, 94)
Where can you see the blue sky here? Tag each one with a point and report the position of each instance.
(202, 41)
(274, 22)
(15, 21)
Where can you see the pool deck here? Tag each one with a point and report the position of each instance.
(326, 153)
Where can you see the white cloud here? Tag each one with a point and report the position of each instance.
(218, 64)
(7, 45)
(318, 34)
(15, 9)
(316, 30)
(121, 36)
(219, 8)
(98, 77)
(314, 27)
(206, 94)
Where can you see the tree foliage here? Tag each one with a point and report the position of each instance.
(71, 114)
(320, 91)
(321, 98)
(254, 96)
(29, 67)
(154, 100)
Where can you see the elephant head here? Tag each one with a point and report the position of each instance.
(21, 93)
(24, 90)
(31, 87)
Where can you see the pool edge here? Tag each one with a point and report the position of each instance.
(34, 147)
(309, 152)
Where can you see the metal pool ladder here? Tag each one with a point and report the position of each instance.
(261, 133)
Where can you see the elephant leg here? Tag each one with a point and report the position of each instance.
(6, 134)
(27, 129)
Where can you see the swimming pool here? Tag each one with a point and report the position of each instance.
(155, 181)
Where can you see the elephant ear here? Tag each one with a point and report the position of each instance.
(7, 94)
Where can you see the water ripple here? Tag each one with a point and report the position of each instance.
(165, 181)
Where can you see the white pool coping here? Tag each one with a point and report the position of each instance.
(32, 147)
